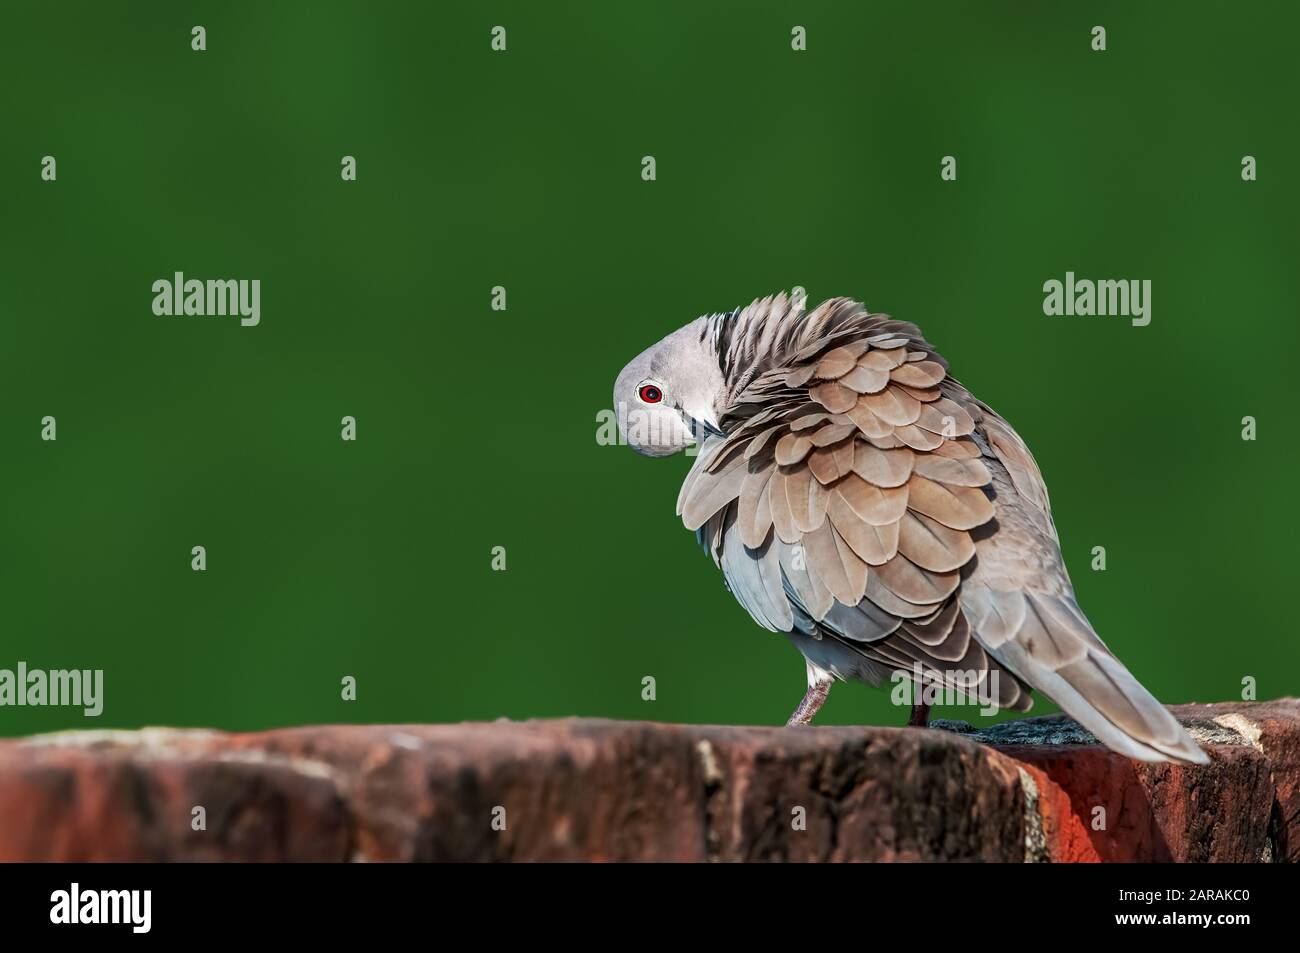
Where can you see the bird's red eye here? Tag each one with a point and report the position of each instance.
(651, 394)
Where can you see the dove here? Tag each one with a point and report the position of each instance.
(860, 500)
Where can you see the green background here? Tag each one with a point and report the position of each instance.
(478, 428)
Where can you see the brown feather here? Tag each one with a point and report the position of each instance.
(963, 449)
(835, 363)
(932, 545)
(808, 421)
(919, 374)
(877, 361)
(712, 491)
(807, 499)
(827, 463)
(834, 396)
(962, 422)
(946, 425)
(923, 394)
(953, 472)
(800, 375)
(893, 405)
(754, 512)
(855, 569)
(873, 544)
(878, 506)
(957, 507)
(893, 604)
(867, 422)
(865, 380)
(826, 563)
(809, 589)
(883, 468)
(762, 440)
(918, 439)
(919, 586)
(779, 504)
(934, 631)
(792, 448)
(832, 433)
(845, 453)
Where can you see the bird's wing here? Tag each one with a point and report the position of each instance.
(1022, 608)
(843, 498)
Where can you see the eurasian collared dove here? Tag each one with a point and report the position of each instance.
(860, 499)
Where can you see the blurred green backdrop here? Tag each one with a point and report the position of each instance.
(477, 429)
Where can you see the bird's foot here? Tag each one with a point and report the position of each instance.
(956, 727)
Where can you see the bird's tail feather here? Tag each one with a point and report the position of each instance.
(1048, 643)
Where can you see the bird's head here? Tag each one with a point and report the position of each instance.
(667, 396)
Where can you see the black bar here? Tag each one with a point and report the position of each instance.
(439, 902)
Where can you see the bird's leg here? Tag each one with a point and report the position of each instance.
(920, 716)
(819, 686)
(812, 701)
